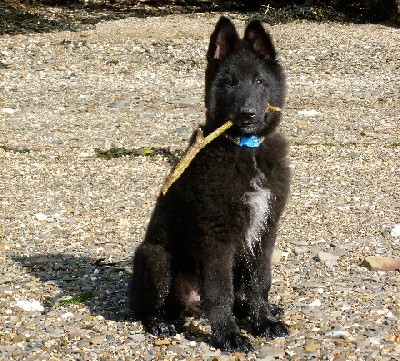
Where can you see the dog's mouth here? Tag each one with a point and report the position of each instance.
(247, 126)
(247, 122)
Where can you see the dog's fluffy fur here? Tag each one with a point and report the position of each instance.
(209, 242)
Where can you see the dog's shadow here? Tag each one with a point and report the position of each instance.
(98, 283)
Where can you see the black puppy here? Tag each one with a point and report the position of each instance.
(209, 242)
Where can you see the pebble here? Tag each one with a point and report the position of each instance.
(308, 113)
(97, 340)
(30, 305)
(162, 342)
(8, 111)
(327, 258)
(140, 337)
(276, 255)
(312, 347)
(315, 303)
(267, 352)
(377, 263)
(119, 105)
(395, 232)
(300, 250)
(339, 334)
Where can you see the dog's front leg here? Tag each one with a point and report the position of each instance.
(218, 296)
(264, 315)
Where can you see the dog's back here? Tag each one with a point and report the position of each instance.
(211, 236)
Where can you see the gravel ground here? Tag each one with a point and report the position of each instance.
(69, 221)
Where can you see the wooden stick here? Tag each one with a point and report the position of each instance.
(271, 109)
(198, 144)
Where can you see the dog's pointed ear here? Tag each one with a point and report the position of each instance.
(259, 40)
(222, 40)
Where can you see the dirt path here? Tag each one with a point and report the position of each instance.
(69, 221)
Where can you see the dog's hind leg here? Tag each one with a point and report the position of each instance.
(150, 286)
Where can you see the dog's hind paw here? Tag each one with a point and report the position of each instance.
(274, 330)
(235, 342)
(160, 327)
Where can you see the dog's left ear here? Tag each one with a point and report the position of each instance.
(259, 40)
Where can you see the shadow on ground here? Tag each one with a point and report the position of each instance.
(103, 283)
(105, 286)
(39, 16)
(99, 284)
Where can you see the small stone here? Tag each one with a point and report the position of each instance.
(67, 315)
(119, 104)
(40, 216)
(18, 338)
(377, 263)
(97, 340)
(267, 352)
(238, 354)
(30, 306)
(14, 319)
(276, 255)
(395, 232)
(308, 113)
(8, 110)
(139, 337)
(374, 340)
(390, 338)
(300, 250)
(340, 358)
(339, 334)
(312, 347)
(162, 342)
(326, 258)
(5, 279)
(87, 319)
(4, 246)
(315, 303)
(176, 350)
(297, 242)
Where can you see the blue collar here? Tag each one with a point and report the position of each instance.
(251, 142)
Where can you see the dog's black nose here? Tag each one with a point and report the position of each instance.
(247, 113)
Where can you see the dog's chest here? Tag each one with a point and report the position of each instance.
(258, 201)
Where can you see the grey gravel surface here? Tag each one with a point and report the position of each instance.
(69, 221)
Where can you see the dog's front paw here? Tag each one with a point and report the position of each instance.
(234, 341)
(159, 327)
(276, 310)
(273, 330)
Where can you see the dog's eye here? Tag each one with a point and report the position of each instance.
(231, 82)
(260, 81)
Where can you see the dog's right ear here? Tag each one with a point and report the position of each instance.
(222, 40)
